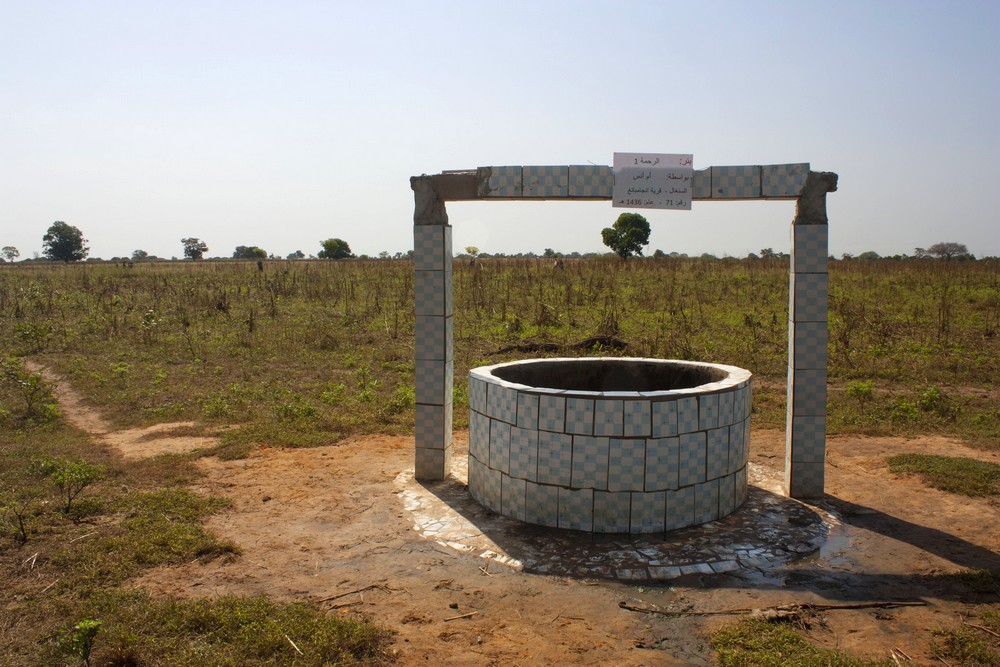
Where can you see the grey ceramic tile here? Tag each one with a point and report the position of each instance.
(590, 462)
(627, 464)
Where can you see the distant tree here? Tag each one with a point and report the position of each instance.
(139, 254)
(10, 253)
(767, 253)
(384, 255)
(869, 255)
(249, 252)
(335, 249)
(472, 250)
(64, 243)
(949, 251)
(627, 236)
(659, 254)
(194, 248)
(298, 254)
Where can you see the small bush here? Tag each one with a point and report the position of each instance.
(71, 477)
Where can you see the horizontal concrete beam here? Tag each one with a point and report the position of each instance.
(596, 182)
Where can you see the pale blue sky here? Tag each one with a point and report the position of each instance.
(280, 124)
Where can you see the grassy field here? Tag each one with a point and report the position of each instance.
(308, 352)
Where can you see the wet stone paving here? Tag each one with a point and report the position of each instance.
(768, 530)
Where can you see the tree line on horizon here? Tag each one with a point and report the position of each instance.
(625, 238)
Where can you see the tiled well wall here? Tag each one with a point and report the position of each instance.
(609, 462)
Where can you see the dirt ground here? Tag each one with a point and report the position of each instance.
(328, 525)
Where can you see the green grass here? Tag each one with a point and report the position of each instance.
(66, 569)
(968, 645)
(968, 477)
(759, 643)
(310, 352)
(225, 632)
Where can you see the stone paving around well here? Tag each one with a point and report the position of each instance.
(768, 530)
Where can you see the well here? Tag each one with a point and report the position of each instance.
(609, 445)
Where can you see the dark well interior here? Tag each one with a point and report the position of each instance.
(609, 375)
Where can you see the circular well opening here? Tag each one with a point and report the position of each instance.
(609, 375)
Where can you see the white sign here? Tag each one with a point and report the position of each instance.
(652, 180)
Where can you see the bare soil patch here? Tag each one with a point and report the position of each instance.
(326, 524)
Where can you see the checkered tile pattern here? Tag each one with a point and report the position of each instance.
(490, 489)
(701, 184)
(500, 446)
(590, 462)
(742, 182)
(611, 512)
(545, 181)
(523, 453)
(708, 411)
(580, 416)
(552, 413)
(590, 180)
(661, 464)
(691, 452)
(501, 403)
(433, 381)
(687, 415)
(691, 448)
(738, 449)
(541, 504)
(727, 413)
(804, 480)
(477, 394)
(747, 398)
(637, 419)
(432, 292)
(430, 431)
(727, 495)
(810, 251)
(807, 361)
(512, 497)
(433, 337)
(475, 475)
(706, 501)
(432, 464)
(608, 417)
(576, 509)
(806, 438)
(664, 419)
(555, 458)
(783, 180)
(809, 297)
(741, 486)
(479, 436)
(717, 452)
(648, 512)
(679, 508)
(499, 181)
(433, 350)
(807, 345)
(527, 411)
(627, 465)
(432, 247)
(807, 392)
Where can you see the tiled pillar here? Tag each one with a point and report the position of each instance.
(805, 429)
(434, 347)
